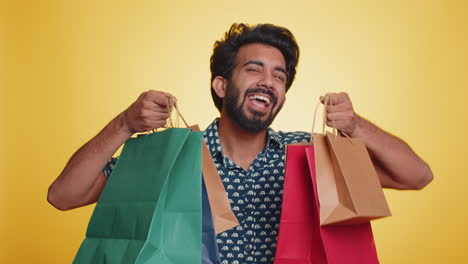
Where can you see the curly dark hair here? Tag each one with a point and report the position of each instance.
(222, 61)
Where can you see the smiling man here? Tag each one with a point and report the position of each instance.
(259, 80)
(252, 68)
(252, 99)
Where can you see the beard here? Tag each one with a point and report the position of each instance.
(255, 123)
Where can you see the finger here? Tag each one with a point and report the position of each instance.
(160, 116)
(339, 108)
(159, 98)
(158, 124)
(331, 98)
(339, 116)
(159, 102)
(336, 98)
(340, 124)
(159, 109)
(148, 104)
(323, 98)
(153, 125)
(173, 98)
(170, 95)
(156, 116)
(148, 115)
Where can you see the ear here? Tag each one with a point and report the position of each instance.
(219, 85)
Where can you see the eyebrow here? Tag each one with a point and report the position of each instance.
(259, 63)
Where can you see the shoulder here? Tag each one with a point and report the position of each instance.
(293, 137)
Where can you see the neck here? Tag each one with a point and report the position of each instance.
(240, 145)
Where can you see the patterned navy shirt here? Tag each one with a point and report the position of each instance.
(255, 196)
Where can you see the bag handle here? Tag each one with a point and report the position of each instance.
(171, 104)
(334, 129)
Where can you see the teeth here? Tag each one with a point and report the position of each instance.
(260, 97)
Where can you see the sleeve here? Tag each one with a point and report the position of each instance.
(109, 166)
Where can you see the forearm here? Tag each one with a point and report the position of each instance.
(81, 172)
(395, 158)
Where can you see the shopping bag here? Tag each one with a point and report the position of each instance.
(349, 190)
(210, 251)
(301, 239)
(223, 217)
(150, 210)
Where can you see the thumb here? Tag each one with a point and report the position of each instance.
(323, 98)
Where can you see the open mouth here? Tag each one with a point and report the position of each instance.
(260, 100)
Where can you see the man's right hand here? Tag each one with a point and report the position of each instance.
(149, 111)
(82, 180)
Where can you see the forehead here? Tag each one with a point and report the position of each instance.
(260, 52)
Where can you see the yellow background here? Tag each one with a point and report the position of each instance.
(68, 67)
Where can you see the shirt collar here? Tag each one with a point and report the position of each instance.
(212, 139)
(274, 139)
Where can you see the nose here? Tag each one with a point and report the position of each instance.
(266, 80)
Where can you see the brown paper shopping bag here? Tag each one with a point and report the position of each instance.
(223, 217)
(349, 190)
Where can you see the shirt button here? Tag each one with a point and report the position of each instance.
(248, 247)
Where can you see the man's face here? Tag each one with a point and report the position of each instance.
(256, 91)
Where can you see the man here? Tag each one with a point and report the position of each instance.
(252, 68)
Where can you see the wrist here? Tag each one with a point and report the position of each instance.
(359, 127)
(121, 127)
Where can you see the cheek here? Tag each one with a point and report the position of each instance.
(281, 98)
(243, 87)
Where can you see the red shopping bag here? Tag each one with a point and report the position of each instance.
(301, 239)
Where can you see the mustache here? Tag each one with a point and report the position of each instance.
(263, 91)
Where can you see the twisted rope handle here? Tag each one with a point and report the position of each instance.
(172, 104)
(334, 129)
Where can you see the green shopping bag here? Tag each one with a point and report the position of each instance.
(150, 209)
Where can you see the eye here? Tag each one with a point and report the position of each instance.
(253, 70)
(280, 77)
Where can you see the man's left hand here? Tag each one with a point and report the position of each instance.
(340, 113)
